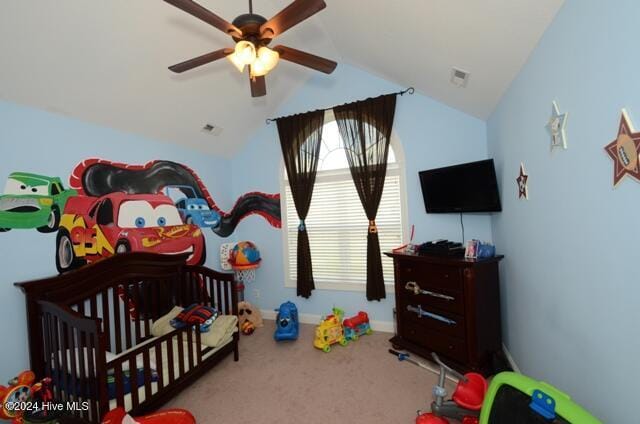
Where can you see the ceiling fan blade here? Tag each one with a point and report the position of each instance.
(200, 60)
(258, 86)
(206, 15)
(306, 59)
(291, 15)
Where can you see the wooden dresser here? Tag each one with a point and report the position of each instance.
(456, 312)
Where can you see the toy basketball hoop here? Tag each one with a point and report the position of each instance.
(243, 258)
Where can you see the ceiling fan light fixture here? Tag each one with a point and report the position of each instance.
(245, 52)
(268, 57)
(233, 58)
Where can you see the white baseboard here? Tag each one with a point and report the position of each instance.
(510, 359)
(381, 326)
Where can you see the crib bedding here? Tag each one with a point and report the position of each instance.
(166, 368)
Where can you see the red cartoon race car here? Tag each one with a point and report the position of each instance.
(96, 227)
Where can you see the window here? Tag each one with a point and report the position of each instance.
(337, 223)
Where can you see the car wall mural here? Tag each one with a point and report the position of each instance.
(112, 208)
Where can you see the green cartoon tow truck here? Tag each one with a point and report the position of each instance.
(32, 201)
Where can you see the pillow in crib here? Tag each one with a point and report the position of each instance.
(161, 326)
(195, 314)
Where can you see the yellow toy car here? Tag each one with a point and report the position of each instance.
(330, 331)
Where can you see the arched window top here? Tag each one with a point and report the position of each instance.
(332, 152)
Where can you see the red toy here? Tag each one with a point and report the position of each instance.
(95, 227)
(356, 326)
(168, 416)
(18, 390)
(467, 398)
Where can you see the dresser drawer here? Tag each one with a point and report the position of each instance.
(443, 299)
(431, 276)
(451, 347)
(432, 319)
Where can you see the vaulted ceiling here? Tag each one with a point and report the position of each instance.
(106, 61)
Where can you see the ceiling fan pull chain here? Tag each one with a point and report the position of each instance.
(251, 6)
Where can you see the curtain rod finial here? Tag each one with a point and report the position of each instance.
(409, 90)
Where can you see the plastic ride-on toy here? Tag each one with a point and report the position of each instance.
(467, 399)
(287, 326)
(330, 331)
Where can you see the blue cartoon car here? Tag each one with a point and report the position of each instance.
(193, 209)
(286, 322)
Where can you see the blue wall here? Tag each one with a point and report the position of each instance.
(48, 144)
(431, 135)
(570, 285)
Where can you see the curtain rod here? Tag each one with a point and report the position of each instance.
(409, 90)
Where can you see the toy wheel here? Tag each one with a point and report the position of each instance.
(355, 337)
(343, 342)
(65, 255)
(4, 230)
(52, 221)
(326, 348)
(369, 331)
(123, 247)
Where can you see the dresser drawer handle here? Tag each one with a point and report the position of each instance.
(412, 286)
(422, 313)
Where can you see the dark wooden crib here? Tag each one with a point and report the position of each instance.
(76, 319)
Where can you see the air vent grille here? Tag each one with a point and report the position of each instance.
(459, 77)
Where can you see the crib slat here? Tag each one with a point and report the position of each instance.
(133, 380)
(190, 344)
(159, 365)
(180, 355)
(198, 346)
(46, 328)
(219, 295)
(227, 297)
(93, 305)
(116, 319)
(73, 370)
(170, 366)
(83, 350)
(92, 375)
(106, 322)
(57, 355)
(127, 317)
(117, 373)
(147, 373)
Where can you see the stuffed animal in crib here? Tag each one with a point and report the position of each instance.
(17, 390)
(248, 313)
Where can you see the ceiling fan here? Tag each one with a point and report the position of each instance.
(252, 34)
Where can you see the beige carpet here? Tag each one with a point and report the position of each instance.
(292, 382)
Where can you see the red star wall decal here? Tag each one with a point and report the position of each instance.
(624, 151)
(523, 191)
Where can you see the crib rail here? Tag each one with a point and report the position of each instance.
(74, 358)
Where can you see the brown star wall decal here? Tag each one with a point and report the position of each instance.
(523, 191)
(624, 151)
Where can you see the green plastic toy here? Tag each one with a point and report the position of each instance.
(515, 398)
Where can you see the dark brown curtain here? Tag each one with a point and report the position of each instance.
(365, 128)
(300, 138)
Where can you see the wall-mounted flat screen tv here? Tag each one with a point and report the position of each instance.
(468, 187)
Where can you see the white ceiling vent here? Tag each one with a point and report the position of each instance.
(459, 77)
(212, 129)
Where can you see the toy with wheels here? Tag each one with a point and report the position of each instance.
(467, 399)
(168, 416)
(516, 398)
(330, 331)
(17, 390)
(287, 326)
(356, 326)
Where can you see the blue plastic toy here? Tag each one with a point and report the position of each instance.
(286, 322)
